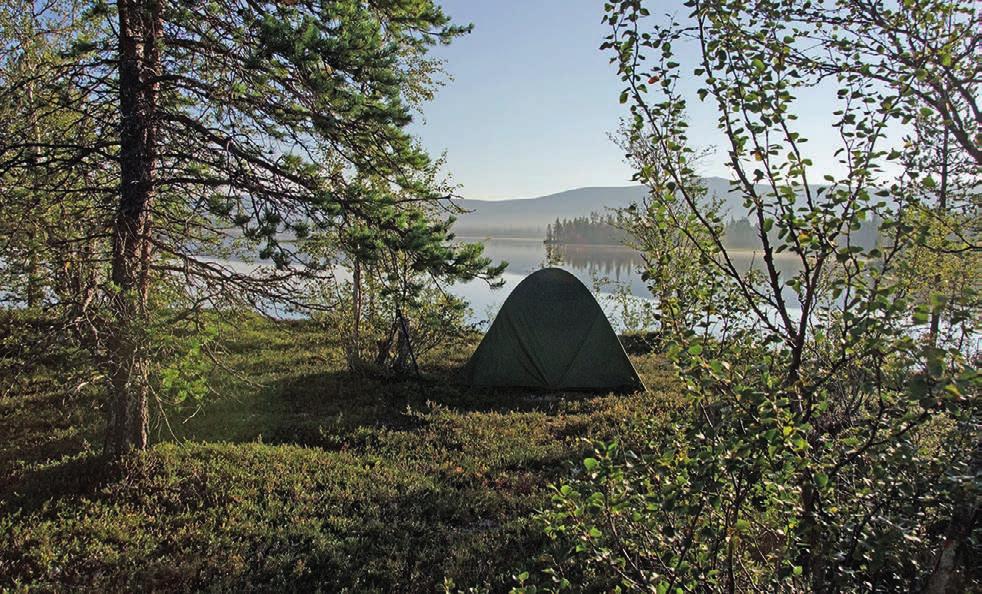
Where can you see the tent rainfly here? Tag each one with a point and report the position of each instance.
(551, 333)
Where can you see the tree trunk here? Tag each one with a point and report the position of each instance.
(401, 363)
(140, 28)
(354, 344)
(813, 561)
(951, 558)
(935, 325)
(34, 279)
(405, 357)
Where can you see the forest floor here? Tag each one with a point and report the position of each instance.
(293, 474)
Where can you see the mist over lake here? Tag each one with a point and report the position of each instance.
(611, 272)
(608, 271)
(603, 269)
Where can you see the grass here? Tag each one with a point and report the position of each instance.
(293, 475)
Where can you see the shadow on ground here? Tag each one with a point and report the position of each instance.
(294, 474)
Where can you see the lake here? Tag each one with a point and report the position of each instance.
(608, 271)
(603, 269)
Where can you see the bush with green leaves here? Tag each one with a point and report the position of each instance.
(141, 141)
(373, 308)
(831, 437)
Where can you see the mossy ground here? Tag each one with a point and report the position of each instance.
(293, 475)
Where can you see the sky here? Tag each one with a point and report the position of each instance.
(532, 101)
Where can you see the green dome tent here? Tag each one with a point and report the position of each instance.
(551, 333)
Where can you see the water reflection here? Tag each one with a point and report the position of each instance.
(618, 264)
(601, 268)
(604, 269)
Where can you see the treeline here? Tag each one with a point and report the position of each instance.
(596, 229)
(739, 234)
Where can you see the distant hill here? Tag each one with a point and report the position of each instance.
(528, 217)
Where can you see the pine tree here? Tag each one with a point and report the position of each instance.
(258, 118)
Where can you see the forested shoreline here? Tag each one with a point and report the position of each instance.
(738, 234)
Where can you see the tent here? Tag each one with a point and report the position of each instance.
(551, 333)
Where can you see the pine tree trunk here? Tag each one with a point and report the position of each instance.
(354, 345)
(139, 63)
(34, 280)
(401, 363)
(405, 357)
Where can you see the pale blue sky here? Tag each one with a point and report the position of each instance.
(533, 99)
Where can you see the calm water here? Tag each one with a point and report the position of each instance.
(604, 270)
(607, 271)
